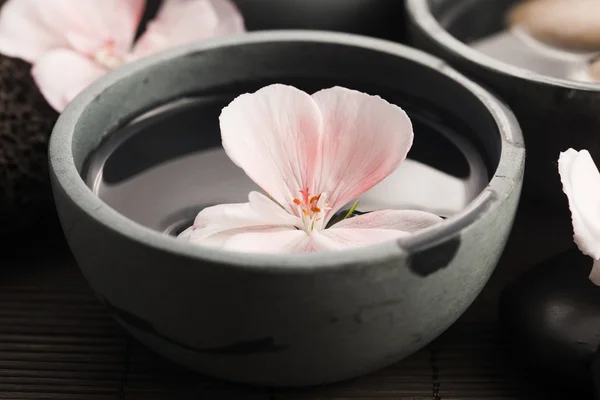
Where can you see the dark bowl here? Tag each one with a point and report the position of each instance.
(554, 113)
(383, 19)
(378, 18)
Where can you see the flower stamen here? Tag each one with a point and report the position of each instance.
(310, 210)
(107, 55)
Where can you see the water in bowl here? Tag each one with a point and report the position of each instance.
(517, 48)
(165, 166)
(514, 46)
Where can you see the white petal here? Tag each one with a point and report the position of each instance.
(581, 184)
(30, 28)
(259, 211)
(267, 240)
(402, 220)
(180, 22)
(342, 239)
(269, 210)
(186, 234)
(62, 74)
(23, 34)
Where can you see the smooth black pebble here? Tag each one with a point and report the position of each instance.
(551, 314)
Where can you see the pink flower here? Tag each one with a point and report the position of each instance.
(312, 155)
(581, 184)
(71, 43)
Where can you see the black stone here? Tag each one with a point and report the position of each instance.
(551, 314)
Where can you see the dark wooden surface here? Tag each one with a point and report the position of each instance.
(57, 341)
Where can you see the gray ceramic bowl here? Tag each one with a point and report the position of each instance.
(554, 113)
(284, 319)
(380, 18)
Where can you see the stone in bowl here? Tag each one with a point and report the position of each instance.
(137, 154)
(554, 113)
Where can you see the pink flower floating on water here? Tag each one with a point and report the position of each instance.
(581, 184)
(71, 43)
(313, 155)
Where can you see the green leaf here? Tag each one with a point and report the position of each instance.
(351, 210)
(344, 214)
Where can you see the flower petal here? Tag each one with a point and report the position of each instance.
(30, 28)
(259, 211)
(93, 23)
(364, 140)
(341, 239)
(62, 74)
(246, 239)
(402, 220)
(22, 33)
(185, 21)
(273, 135)
(581, 184)
(268, 240)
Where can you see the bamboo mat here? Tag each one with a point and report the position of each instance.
(58, 342)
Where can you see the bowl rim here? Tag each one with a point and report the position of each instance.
(419, 13)
(507, 177)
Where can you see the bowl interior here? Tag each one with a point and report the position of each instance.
(482, 26)
(469, 20)
(164, 163)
